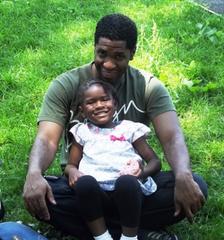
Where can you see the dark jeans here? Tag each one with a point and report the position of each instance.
(157, 209)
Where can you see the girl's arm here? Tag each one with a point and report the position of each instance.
(71, 169)
(146, 152)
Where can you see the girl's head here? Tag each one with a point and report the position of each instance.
(98, 102)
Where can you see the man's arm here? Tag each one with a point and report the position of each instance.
(188, 196)
(36, 188)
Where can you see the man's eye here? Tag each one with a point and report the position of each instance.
(101, 54)
(119, 57)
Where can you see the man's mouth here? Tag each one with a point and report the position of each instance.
(108, 74)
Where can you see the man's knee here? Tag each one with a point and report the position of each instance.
(202, 184)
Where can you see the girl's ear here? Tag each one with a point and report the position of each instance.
(115, 105)
(81, 111)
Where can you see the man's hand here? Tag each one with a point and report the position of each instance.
(187, 196)
(35, 192)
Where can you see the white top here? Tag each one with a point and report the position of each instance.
(107, 150)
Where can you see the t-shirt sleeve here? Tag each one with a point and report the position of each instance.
(56, 103)
(158, 99)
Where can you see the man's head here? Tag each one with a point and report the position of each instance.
(115, 45)
(117, 27)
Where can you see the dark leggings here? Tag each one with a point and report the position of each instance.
(157, 209)
(126, 198)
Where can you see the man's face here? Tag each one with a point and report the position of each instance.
(111, 59)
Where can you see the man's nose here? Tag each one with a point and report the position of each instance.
(109, 64)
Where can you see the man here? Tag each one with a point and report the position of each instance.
(142, 98)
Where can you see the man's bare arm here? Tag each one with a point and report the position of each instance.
(36, 188)
(172, 140)
(45, 146)
(188, 196)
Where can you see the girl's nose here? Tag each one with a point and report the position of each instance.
(98, 104)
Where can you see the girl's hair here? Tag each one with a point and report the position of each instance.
(108, 88)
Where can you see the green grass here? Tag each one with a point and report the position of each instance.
(179, 42)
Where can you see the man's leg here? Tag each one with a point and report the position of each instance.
(65, 215)
(158, 208)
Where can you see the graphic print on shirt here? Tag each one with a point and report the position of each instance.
(125, 110)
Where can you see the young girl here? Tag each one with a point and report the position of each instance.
(106, 165)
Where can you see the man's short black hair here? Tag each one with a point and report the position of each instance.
(117, 27)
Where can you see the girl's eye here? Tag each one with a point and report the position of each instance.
(107, 98)
(89, 102)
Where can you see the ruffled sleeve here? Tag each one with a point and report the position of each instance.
(135, 130)
(78, 132)
(141, 130)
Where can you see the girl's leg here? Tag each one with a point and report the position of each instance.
(128, 198)
(90, 203)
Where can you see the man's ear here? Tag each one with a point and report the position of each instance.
(132, 53)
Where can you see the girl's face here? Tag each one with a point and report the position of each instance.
(98, 107)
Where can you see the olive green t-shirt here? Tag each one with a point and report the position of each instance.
(141, 98)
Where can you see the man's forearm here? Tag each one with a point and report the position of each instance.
(41, 156)
(177, 154)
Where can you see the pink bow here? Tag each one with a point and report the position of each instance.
(114, 138)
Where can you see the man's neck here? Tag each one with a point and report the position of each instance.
(94, 71)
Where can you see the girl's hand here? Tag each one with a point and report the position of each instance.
(73, 175)
(132, 167)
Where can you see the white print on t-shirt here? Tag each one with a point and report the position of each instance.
(126, 109)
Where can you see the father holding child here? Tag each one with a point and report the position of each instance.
(142, 98)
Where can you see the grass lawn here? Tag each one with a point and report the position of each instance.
(179, 42)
